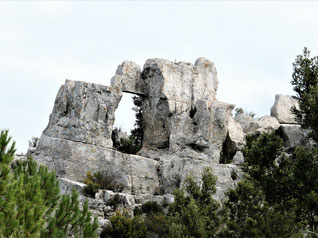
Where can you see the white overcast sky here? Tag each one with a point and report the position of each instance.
(253, 45)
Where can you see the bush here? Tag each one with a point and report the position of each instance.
(151, 208)
(123, 226)
(194, 212)
(105, 179)
(115, 201)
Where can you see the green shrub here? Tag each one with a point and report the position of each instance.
(151, 208)
(105, 179)
(115, 201)
(194, 212)
(123, 226)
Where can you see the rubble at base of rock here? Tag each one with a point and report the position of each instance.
(185, 129)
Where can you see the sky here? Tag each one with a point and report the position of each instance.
(252, 43)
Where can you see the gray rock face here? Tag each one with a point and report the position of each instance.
(238, 158)
(293, 135)
(128, 78)
(174, 170)
(184, 130)
(236, 136)
(84, 112)
(245, 121)
(180, 111)
(265, 124)
(281, 109)
(67, 186)
(72, 160)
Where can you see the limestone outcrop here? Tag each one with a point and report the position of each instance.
(281, 109)
(293, 135)
(84, 112)
(185, 129)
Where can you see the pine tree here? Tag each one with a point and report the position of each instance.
(137, 133)
(30, 201)
(305, 82)
(7, 188)
(195, 213)
(70, 221)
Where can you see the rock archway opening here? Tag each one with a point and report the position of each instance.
(127, 135)
(125, 115)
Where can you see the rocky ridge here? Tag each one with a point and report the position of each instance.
(185, 129)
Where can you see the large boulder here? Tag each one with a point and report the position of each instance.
(180, 111)
(293, 135)
(265, 124)
(281, 109)
(84, 112)
(128, 78)
(245, 120)
(236, 137)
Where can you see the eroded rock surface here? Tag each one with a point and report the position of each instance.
(72, 160)
(128, 78)
(84, 112)
(265, 124)
(180, 110)
(281, 109)
(293, 135)
(185, 129)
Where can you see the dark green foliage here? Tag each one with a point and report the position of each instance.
(138, 133)
(128, 145)
(30, 199)
(157, 223)
(123, 226)
(151, 208)
(195, 213)
(312, 233)
(305, 184)
(69, 220)
(115, 201)
(91, 185)
(250, 215)
(266, 165)
(155, 219)
(279, 194)
(105, 179)
(305, 82)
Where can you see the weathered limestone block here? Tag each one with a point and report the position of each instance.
(205, 83)
(128, 78)
(72, 160)
(199, 137)
(180, 112)
(238, 158)
(236, 137)
(143, 198)
(265, 124)
(84, 112)
(282, 109)
(67, 186)
(245, 121)
(293, 135)
(125, 199)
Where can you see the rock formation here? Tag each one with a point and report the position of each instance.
(282, 109)
(185, 129)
